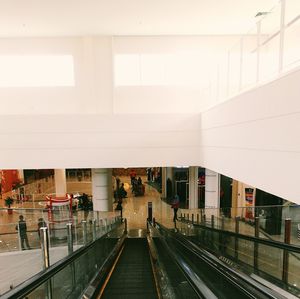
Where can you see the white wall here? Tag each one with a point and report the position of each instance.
(93, 77)
(94, 91)
(254, 137)
(99, 141)
(200, 56)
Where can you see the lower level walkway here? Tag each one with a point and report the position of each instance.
(135, 209)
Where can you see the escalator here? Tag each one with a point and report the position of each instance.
(132, 275)
(162, 265)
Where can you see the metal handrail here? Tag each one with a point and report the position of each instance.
(195, 281)
(276, 244)
(242, 281)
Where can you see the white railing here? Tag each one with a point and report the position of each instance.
(263, 54)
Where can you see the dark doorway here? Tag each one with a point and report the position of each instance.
(226, 195)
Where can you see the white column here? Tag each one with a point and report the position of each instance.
(193, 187)
(21, 175)
(60, 182)
(102, 189)
(212, 187)
(169, 173)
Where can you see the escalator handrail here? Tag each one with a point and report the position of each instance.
(241, 280)
(93, 289)
(276, 244)
(35, 281)
(195, 281)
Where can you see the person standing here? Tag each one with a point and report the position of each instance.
(175, 207)
(22, 228)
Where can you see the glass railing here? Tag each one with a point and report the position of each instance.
(262, 259)
(72, 275)
(224, 279)
(271, 220)
(21, 249)
(269, 49)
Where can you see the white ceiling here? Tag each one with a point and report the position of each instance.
(128, 17)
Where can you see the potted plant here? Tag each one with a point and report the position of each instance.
(8, 202)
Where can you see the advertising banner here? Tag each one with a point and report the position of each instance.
(249, 197)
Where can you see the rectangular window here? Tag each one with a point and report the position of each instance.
(36, 70)
(179, 69)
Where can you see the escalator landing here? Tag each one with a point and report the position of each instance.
(137, 233)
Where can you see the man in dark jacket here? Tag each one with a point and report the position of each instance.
(175, 207)
(22, 228)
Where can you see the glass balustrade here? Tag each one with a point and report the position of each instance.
(264, 53)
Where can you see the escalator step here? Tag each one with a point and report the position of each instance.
(132, 276)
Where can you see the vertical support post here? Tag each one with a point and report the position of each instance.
(236, 241)
(188, 217)
(287, 240)
(46, 257)
(192, 218)
(180, 215)
(84, 232)
(212, 221)
(204, 219)
(197, 218)
(281, 36)
(19, 238)
(75, 232)
(258, 26)
(45, 246)
(228, 73)
(184, 216)
(256, 232)
(94, 230)
(241, 63)
(221, 235)
(125, 226)
(212, 232)
(70, 237)
(218, 84)
(223, 222)
(98, 228)
(106, 225)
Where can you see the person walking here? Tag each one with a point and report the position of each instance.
(175, 207)
(22, 228)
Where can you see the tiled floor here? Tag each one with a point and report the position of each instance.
(135, 209)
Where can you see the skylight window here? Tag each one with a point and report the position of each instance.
(36, 70)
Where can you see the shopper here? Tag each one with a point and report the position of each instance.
(22, 228)
(175, 206)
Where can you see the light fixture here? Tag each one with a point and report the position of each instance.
(261, 13)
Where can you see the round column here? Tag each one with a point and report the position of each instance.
(193, 187)
(60, 182)
(212, 187)
(102, 189)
